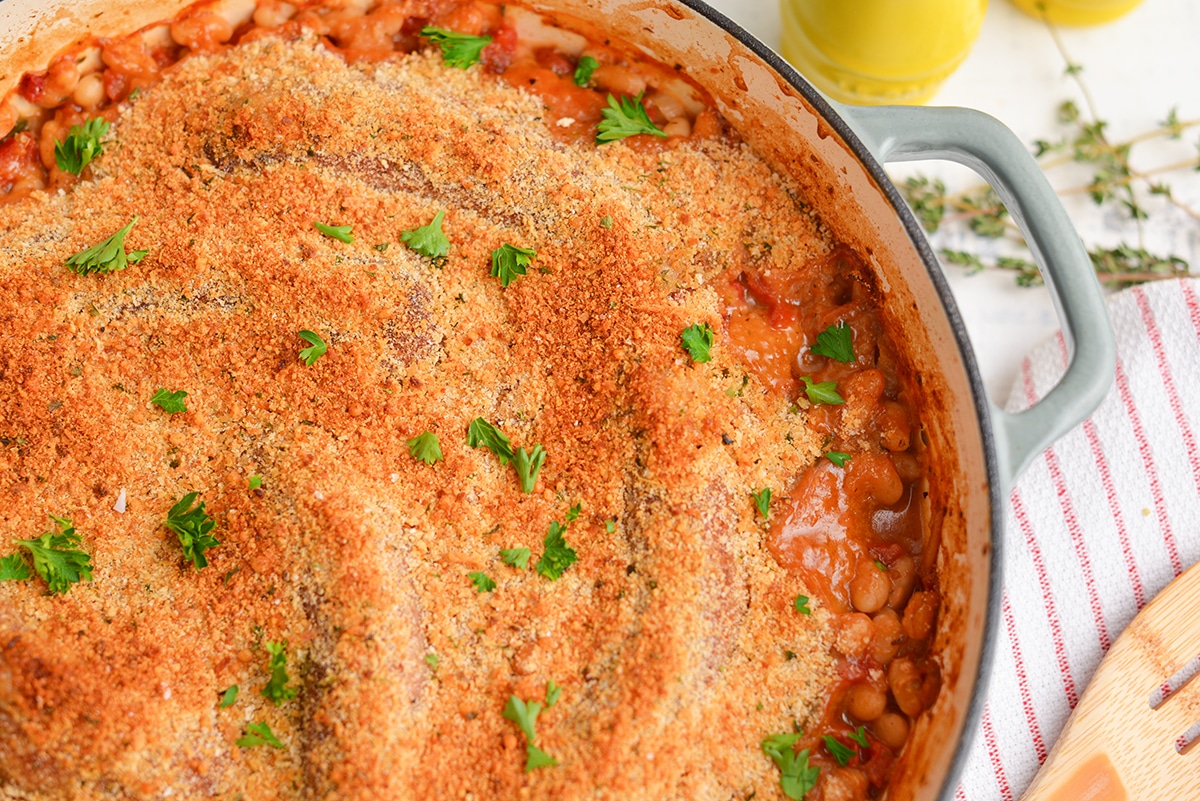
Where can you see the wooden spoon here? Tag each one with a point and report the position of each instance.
(1133, 732)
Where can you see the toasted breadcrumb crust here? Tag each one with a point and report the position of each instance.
(673, 637)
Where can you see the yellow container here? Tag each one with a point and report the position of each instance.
(879, 51)
(1077, 12)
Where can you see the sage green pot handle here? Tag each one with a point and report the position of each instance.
(974, 139)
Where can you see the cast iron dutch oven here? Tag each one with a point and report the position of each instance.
(835, 152)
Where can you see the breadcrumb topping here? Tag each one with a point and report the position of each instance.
(673, 637)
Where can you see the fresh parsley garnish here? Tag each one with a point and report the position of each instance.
(625, 117)
(255, 482)
(762, 500)
(482, 433)
(606, 222)
(108, 256)
(57, 557)
(276, 690)
(433, 660)
(428, 240)
(481, 581)
(841, 753)
(573, 512)
(610, 526)
(797, 777)
(259, 734)
(192, 526)
(516, 557)
(425, 447)
(339, 232)
(169, 401)
(859, 736)
(458, 49)
(553, 693)
(824, 392)
(836, 342)
(838, 458)
(509, 262)
(228, 697)
(13, 568)
(83, 143)
(881, 565)
(802, 605)
(584, 69)
(698, 341)
(317, 348)
(557, 556)
(529, 465)
(525, 716)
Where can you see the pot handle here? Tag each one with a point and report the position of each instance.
(987, 146)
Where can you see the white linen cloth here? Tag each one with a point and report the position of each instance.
(1097, 525)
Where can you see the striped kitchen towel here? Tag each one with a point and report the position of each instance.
(1096, 526)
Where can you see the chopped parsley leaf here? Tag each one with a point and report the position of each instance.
(625, 117)
(169, 401)
(428, 240)
(259, 734)
(192, 526)
(537, 758)
(108, 256)
(836, 342)
(276, 690)
(610, 526)
(13, 568)
(525, 716)
(529, 465)
(824, 392)
(838, 458)
(880, 565)
(762, 500)
(509, 262)
(482, 433)
(425, 447)
(458, 49)
(516, 557)
(573, 512)
(339, 232)
(255, 482)
(859, 736)
(698, 341)
(802, 605)
(584, 69)
(56, 557)
(797, 777)
(553, 693)
(83, 143)
(557, 556)
(481, 581)
(228, 697)
(317, 348)
(382, 246)
(841, 753)
(606, 222)
(433, 660)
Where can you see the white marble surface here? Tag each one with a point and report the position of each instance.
(1136, 70)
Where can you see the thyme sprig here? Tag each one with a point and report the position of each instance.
(1112, 183)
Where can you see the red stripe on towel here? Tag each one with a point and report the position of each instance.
(1156, 490)
(1114, 508)
(1164, 369)
(993, 748)
(1035, 729)
(1039, 566)
(1081, 551)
